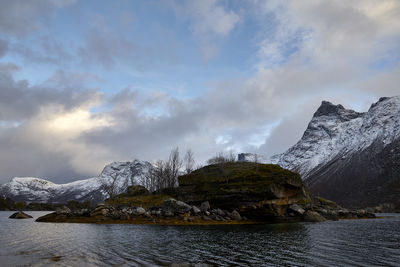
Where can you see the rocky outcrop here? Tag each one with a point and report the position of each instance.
(172, 211)
(232, 193)
(312, 216)
(172, 207)
(20, 215)
(257, 191)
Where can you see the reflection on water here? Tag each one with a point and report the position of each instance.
(353, 243)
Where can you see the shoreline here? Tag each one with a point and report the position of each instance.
(174, 221)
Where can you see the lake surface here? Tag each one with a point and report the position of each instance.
(371, 242)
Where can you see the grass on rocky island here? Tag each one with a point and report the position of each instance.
(240, 172)
(216, 180)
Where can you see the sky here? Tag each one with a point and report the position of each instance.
(86, 83)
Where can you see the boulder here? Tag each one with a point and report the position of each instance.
(63, 210)
(139, 211)
(205, 206)
(297, 209)
(100, 211)
(218, 212)
(312, 216)
(115, 215)
(330, 215)
(175, 206)
(20, 215)
(195, 210)
(234, 215)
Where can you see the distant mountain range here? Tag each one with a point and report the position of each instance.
(349, 157)
(32, 189)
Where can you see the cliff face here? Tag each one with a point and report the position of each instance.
(257, 190)
(350, 157)
(368, 178)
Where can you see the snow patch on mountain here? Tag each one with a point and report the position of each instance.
(33, 189)
(336, 133)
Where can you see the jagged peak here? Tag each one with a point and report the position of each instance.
(329, 109)
(385, 100)
(336, 132)
(30, 179)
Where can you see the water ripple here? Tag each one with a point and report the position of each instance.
(341, 243)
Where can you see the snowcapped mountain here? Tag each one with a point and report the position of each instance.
(39, 190)
(251, 157)
(348, 156)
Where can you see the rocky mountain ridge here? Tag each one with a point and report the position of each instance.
(32, 189)
(335, 132)
(350, 157)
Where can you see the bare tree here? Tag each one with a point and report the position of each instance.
(163, 174)
(149, 178)
(256, 162)
(222, 158)
(172, 168)
(160, 174)
(110, 186)
(189, 161)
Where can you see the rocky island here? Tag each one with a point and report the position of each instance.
(229, 193)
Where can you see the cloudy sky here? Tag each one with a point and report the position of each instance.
(85, 83)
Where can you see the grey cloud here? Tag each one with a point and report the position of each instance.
(104, 46)
(234, 109)
(19, 17)
(145, 137)
(45, 50)
(19, 101)
(64, 79)
(289, 130)
(3, 47)
(20, 158)
(210, 22)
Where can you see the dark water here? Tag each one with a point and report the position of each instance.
(373, 242)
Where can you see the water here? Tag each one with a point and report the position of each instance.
(372, 242)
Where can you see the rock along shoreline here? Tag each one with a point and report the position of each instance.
(174, 212)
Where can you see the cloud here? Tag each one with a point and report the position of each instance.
(41, 49)
(210, 21)
(20, 101)
(38, 128)
(104, 46)
(345, 52)
(336, 49)
(3, 47)
(19, 17)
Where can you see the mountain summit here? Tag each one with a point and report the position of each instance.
(350, 157)
(33, 189)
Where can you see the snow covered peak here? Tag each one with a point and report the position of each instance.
(250, 157)
(131, 171)
(39, 190)
(336, 111)
(33, 181)
(336, 132)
